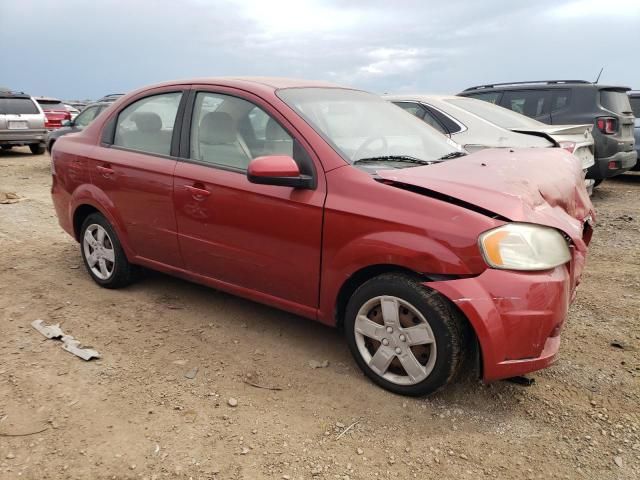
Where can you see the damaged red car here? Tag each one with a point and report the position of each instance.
(338, 206)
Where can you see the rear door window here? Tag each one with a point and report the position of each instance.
(615, 100)
(147, 125)
(532, 103)
(560, 99)
(17, 106)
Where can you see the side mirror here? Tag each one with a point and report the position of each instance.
(67, 123)
(281, 170)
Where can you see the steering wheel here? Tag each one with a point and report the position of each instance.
(360, 153)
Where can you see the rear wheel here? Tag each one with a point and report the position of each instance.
(404, 337)
(37, 148)
(597, 182)
(102, 253)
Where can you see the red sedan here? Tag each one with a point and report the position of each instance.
(338, 206)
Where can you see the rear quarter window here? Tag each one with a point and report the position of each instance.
(615, 100)
(17, 106)
(491, 97)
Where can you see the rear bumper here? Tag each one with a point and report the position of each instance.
(517, 316)
(17, 137)
(614, 165)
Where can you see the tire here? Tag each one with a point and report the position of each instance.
(597, 182)
(434, 363)
(37, 148)
(6, 147)
(50, 146)
(117, 271)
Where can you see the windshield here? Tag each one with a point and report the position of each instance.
(503, 117)
(361, 125)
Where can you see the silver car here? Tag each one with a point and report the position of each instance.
(476, 124)
(21, 122)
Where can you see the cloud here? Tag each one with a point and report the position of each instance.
(382, 46)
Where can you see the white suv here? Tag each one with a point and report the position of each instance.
(21, 122)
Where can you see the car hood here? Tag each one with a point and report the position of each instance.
(543, 186)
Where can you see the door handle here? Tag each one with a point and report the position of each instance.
(197, 193)
(105, 171)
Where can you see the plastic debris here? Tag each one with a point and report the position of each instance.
(69, 343)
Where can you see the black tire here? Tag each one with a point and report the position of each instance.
(37, 148)
(123, 271)
(449, 330)
(597, 182)
(50, 146)
(6, 147)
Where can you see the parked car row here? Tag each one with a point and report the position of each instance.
(335, 204)
(555, 102)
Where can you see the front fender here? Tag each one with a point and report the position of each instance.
(402, 249)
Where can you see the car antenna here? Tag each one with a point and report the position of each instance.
(598, 77)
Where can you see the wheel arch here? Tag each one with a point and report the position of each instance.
(473, 361)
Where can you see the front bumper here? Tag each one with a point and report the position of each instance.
(614, 165)
(517, 316)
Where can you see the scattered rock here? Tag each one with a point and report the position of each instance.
(10, 456)
(317, 364)
(232, 402)
(618, 461)
(180, 362)
(244, 451)
(359, 451)
(191, 374)
(617, 344)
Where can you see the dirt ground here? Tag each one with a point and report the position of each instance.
(134, 413)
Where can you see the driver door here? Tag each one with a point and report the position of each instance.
(263, 238)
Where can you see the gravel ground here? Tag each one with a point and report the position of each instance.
(135, 414)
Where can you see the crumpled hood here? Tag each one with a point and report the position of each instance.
(543, 186)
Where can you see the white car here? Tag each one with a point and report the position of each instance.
(476, 124)
(72, 110)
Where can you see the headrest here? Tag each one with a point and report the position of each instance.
(274, 132)
(216, 128)
(147, 122)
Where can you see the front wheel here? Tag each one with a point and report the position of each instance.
(404, 337)
(37, 148)
(102, 253)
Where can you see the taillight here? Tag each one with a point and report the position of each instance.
(607, 125)
(568, 146)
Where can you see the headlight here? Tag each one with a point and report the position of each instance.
(522, 246)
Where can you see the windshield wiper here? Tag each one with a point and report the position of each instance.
(394, 158)
(451, 155)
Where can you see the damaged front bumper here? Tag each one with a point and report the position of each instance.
(517, 316)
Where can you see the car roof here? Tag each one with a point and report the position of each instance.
(538, 84)
(47, 99)
(418, 97)
(272, 82)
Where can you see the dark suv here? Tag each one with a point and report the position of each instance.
(574, 102)
(634, 99)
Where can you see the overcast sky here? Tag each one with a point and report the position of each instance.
(88, 48)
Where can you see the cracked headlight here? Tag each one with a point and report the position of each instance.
(523, 246)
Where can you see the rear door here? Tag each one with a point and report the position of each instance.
(532, 103)
(134, 168)
(263, 238)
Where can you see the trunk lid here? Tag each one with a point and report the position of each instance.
(543, 186)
